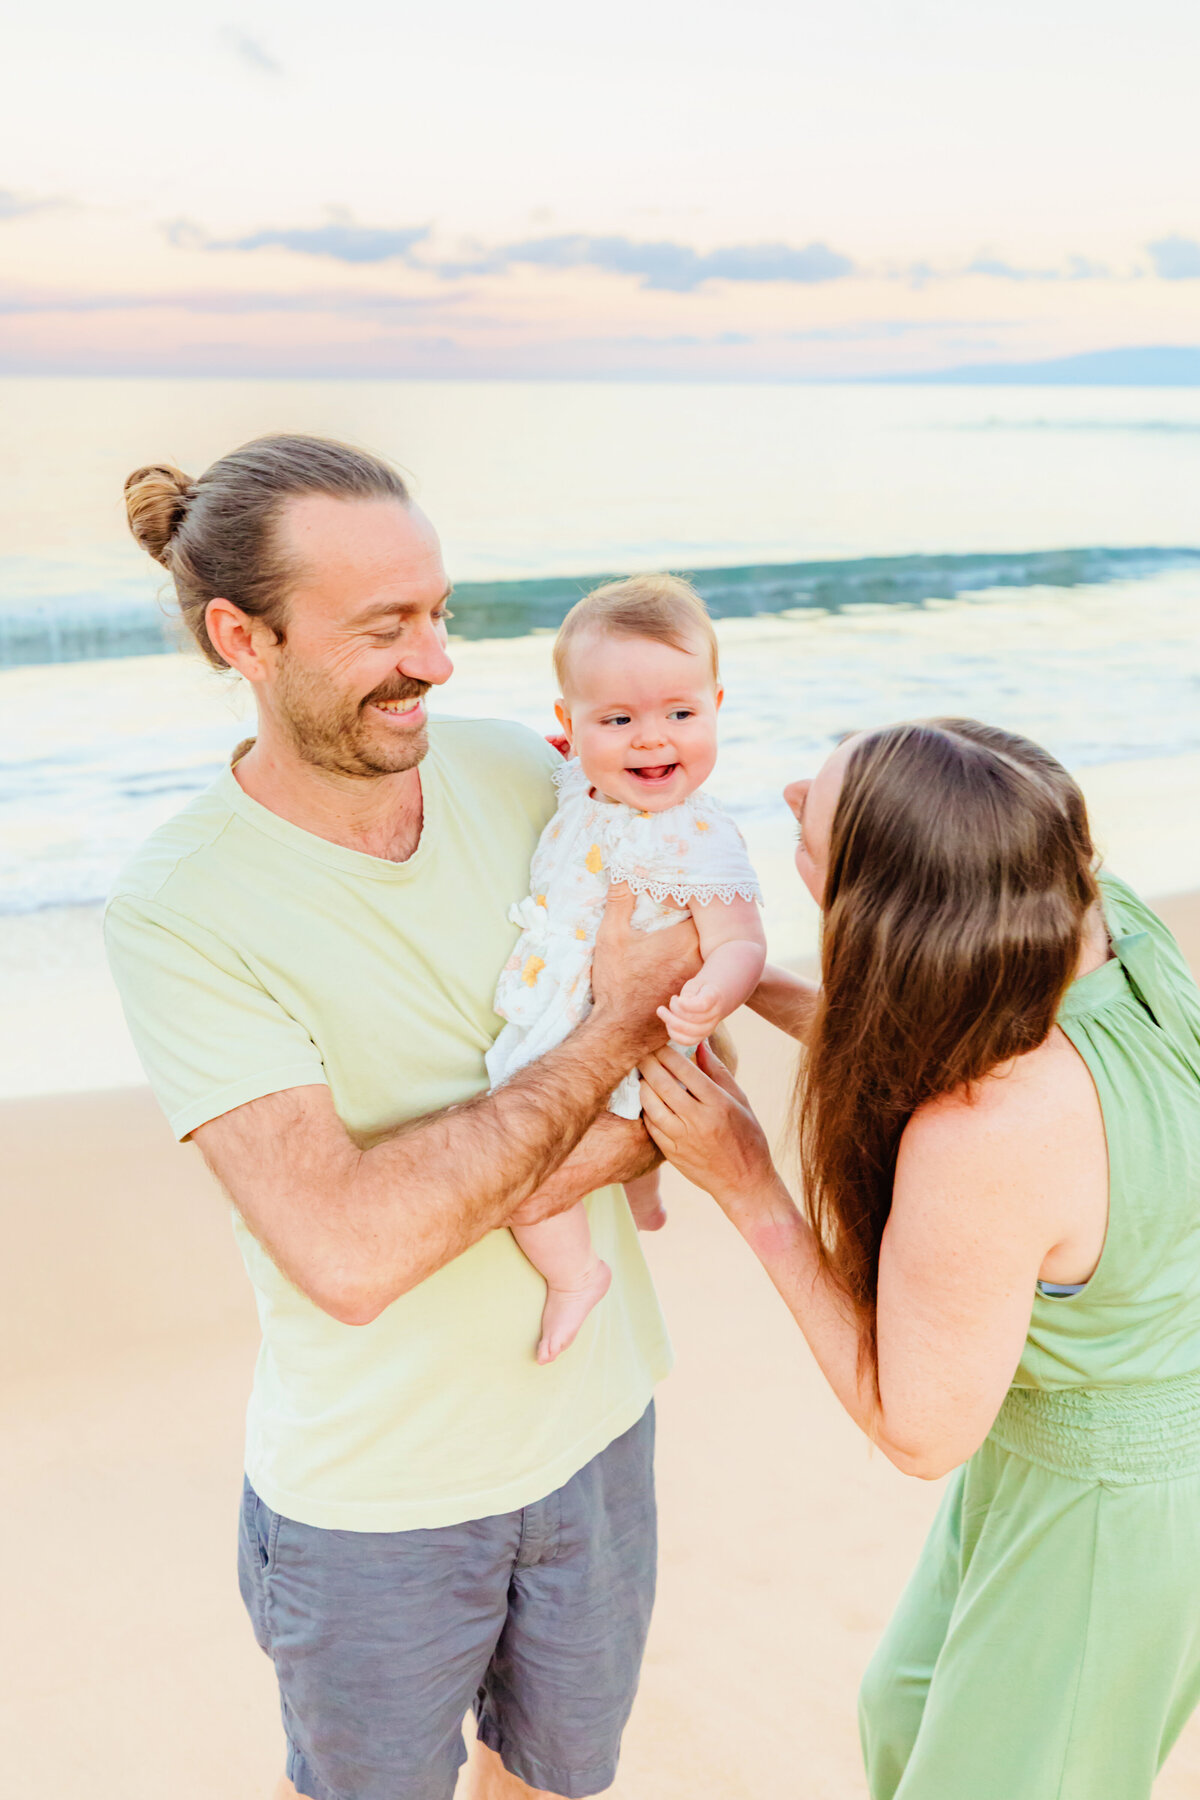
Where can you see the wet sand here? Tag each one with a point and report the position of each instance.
(127, 1339)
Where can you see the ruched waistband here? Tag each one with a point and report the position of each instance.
(1149, 1431)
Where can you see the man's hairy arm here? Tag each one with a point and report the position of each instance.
(355, 1229)
(611, 1149)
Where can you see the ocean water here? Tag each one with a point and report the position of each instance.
(1028, 556)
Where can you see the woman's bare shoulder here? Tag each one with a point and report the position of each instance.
(1044, 1100)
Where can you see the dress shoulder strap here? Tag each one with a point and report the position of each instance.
(1154, 967)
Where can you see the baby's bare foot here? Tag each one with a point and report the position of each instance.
(567, 1308)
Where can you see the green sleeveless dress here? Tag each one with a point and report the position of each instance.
(1048, 1644)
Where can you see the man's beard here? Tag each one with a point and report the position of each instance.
(331, 731)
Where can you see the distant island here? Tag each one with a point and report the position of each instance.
(1151, 365)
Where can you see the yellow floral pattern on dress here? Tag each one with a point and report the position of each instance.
(688, 854)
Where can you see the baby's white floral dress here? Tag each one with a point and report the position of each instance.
(690, 852)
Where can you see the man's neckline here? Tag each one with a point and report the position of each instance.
(329, 851)
(309, 830)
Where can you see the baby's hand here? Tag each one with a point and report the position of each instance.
(693, 1013)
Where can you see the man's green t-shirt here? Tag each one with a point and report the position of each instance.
(251, 957)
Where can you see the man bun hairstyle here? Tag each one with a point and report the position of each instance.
(665, 608)
(156, 499)
(217, 535)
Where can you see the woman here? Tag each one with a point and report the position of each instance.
(1000, 1268)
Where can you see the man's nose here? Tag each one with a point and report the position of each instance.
(426, 658)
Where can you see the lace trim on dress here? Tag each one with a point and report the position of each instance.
(684, 892)
(569, 776)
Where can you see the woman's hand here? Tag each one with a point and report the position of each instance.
(703, 1124)
(636, 972)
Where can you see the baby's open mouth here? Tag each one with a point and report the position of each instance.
(657, 772)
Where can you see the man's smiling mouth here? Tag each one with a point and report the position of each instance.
(406, 707)
(398, 709)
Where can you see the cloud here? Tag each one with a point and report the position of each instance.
(12, 206)
(251, 52)
(681, 340)
(1082, 268)
(345, 243)
(676, 268)
(1078, 268)
(1175, 258)
(339, 238)
(659, 264)
(337, 301)
(1005, 271)
(868, 330)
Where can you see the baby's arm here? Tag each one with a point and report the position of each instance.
(735, 951)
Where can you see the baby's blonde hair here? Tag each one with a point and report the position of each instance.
(665, 608)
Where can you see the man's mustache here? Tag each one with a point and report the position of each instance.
(398, 689)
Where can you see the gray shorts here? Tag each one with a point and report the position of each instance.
(382, 1640)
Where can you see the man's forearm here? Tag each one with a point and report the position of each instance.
(612, 1149)
(356, 1228)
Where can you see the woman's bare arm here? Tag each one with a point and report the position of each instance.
(986, 1188)
(787, 1001)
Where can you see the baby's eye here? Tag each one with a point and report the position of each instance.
(617, 719)
(680, 712)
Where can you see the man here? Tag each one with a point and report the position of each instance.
(307, 957)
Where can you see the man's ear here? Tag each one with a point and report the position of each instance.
(563, 717)
(239, 639)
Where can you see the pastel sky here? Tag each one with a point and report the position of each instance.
(777, 188)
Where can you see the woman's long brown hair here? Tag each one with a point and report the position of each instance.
(960, 878)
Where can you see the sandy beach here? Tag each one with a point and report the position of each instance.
(127, 1338)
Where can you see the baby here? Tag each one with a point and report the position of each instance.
(637, 665)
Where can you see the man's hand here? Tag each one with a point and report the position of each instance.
(636, 972)
(613, 1149)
